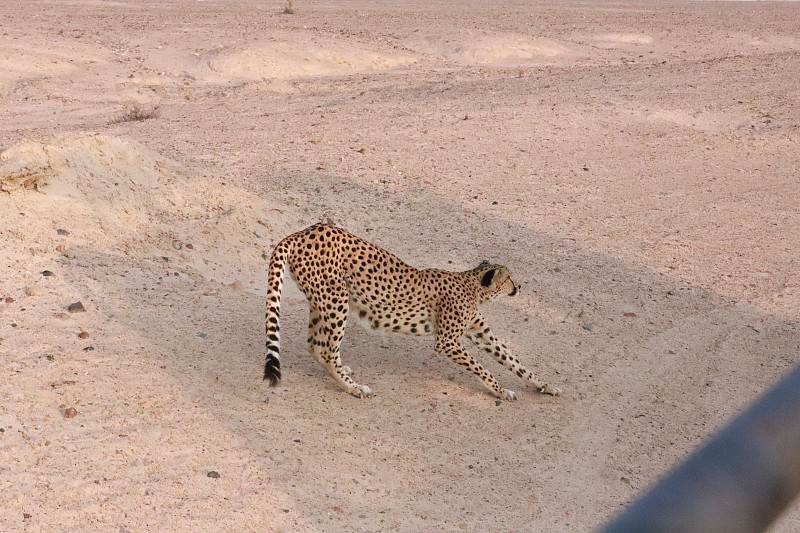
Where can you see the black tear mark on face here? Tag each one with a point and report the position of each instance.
(488, 277)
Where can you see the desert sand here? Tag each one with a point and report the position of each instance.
(634, 164)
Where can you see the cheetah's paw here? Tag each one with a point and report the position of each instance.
(509, 395)
(360, 391)
(551, 390)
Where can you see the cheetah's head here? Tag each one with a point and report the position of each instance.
(495, 280)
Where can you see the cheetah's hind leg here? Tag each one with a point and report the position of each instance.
(324, 340)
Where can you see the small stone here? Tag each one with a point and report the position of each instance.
(629, 314)
(189, 246)
(89, 349)
(587, 326)
(498, 402)
(70, 412)
(27, 516)
(76, 307)
(47, 273)
(213, 474)
(83, 335)
(9, 300)
(62, 232)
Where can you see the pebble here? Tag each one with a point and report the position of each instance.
(62, 232)
(76, 307)
(70, 412)
(83, 335)
(213, 474)
(33, 291)
(47, 273)
(9, 300)
(587, 326)
(89, 349)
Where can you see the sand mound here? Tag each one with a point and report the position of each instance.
(93, 167)
(618, 39)
(506, 49)
(115, 194)
(282, 61)
(284, 56)
(475, 49)
(25, 60)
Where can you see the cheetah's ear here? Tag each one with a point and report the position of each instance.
(488, 277)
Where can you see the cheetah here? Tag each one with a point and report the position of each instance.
(343, 275)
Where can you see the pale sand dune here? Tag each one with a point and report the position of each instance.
(286, 56)
(634, 164)
(37, 60)
(492, 49)
(624, 38)
(297, 60)
(130, 199)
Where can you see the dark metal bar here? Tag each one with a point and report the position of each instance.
(737, 482)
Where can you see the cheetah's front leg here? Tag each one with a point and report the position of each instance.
(483, 337)
(455, 351)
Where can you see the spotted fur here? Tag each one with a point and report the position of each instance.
(345, 276)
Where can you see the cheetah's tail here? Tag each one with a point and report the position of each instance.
(277, 268)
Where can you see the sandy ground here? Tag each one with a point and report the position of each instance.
(636, 165)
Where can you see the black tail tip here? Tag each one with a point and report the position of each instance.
(272, 372)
